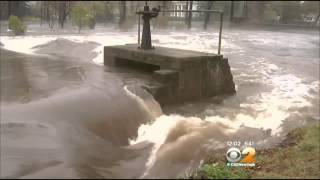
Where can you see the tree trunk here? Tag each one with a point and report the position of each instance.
(190, 15)
(47, 12)
(186, 13)
(132, 8)
(246, 9)
(41, 13)
(164, 6)
(106, 13)
(231, 11)
(261, 8)
(9, 8)
(164, 19)
(13, 8)
(80, 25)
(207, 15)
(62, 13)
(317, 19)
(123, 10)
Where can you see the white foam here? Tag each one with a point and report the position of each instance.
(24, 44)
(156, 133)
(271, 107)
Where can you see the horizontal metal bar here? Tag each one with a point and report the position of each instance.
(211, 11)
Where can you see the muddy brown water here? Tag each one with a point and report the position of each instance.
(64, 116)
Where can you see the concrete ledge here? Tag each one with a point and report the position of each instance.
(185, 75)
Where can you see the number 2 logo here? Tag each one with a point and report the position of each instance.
(249, 154)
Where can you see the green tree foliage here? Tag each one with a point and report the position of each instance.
(98, 9)
(82, 16)
(78, 16)
(108, 11)
(91, 21)
(16, 25)
(63, 11)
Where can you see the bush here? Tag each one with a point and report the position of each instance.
(78, 16)
(16, 25)
(91, 21)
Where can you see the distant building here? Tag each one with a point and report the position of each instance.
(182, 5)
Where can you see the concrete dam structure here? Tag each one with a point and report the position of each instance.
(184, 75)
(179, 75)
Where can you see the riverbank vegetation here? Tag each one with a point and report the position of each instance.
(16, 26)
(304, 13)
(298, 156)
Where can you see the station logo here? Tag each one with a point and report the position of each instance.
(246, 157)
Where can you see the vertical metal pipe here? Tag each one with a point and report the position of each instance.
(138, 29)
(220, 32)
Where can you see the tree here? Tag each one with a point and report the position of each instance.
(311, 7)
(207, 14)
(90, 21)
(64, 8)
(49, 12)
(231, 11)
(186, 7)
(18, 8)
(52, 13)
(108, 11)
(3, 10)
(189, 15)
(164, 6)
(16, 25)
(122, 10)
(288, 10)
(78, 15)
(42, 12)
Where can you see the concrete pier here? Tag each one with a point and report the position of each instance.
(184, 75)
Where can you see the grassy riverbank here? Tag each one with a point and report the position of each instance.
(296, 157)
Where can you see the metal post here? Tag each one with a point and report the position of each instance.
(138, 29)
(220, 32)
(210, 11)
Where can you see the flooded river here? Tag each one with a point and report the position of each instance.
(65, 115)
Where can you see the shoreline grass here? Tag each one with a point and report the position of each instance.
(296, 157)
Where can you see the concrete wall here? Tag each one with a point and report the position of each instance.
(183, 75)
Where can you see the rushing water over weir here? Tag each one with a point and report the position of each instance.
(63, 116)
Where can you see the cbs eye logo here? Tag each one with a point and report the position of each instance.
(247, 155)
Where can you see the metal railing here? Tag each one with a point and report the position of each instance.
(209, 11)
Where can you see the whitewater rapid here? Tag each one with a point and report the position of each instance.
(271, 99)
